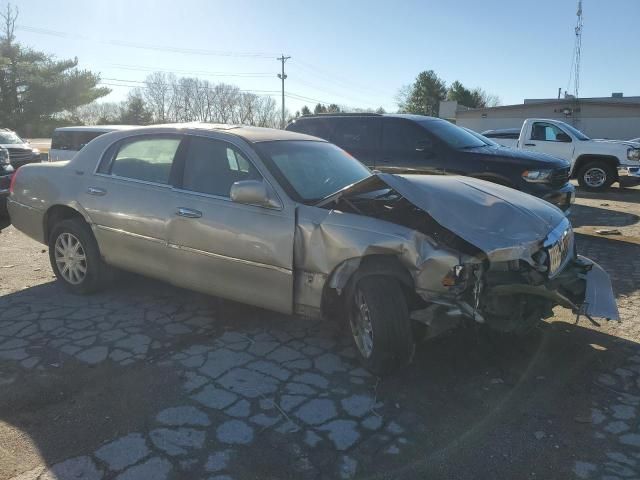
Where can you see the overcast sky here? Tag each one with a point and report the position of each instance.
(356, 52)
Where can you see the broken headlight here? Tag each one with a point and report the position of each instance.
(4, 156)
(537, 176)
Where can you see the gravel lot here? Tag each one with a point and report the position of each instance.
(149, 381)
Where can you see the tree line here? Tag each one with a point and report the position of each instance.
(39, 92)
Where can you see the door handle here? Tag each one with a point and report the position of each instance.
(188, 212)
(529, 144)
(98, 192)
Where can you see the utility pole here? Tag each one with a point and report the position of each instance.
(282, 76)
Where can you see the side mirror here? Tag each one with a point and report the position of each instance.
(253, 192)
(563, 137)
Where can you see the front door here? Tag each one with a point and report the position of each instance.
(129, 202)
(548, 138)
(235, 251)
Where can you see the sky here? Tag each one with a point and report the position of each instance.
(356, 53)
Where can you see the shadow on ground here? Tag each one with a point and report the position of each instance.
(470, 406)
(583, 215)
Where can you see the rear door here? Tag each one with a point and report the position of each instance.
(129, 201)
(220, 247)
(407, 148)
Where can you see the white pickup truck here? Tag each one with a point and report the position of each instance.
(596, 164)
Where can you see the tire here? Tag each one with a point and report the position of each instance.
(596, 176)
(389, 344)
(63, 252)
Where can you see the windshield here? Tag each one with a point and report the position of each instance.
(453, 136)
(309, 170)
(481, 137)
(576, 133)
(9, 138)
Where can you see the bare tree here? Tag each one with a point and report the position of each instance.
(9, 17)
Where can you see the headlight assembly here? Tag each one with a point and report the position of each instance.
(537, 176)
(633, 154)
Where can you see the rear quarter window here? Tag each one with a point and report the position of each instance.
(72, 140)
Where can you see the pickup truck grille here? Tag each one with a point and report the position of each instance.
(559, 251)
(560, 176)
(21, 156)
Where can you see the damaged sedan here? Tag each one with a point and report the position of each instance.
(294, 224)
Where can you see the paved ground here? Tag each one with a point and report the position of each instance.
(150, 381)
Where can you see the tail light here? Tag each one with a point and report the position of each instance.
(13, 181)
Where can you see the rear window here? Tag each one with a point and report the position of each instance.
(512, 135)
(73, 141)
(317, 127)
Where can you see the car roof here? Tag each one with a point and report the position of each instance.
(248, 133)
(95, 128)
(408, 116)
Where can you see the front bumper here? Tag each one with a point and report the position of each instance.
(563, 198)
(629, 175)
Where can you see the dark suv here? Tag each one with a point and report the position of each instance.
(399, 143)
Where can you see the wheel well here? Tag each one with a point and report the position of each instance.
(584, 159)
(386, 265)
(56, 214)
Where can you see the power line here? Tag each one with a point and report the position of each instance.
(161, 48)
(334, 78)
(143, 85)
(204, 73)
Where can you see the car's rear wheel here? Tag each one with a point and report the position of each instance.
(596, 176)
(75, 257)
(380, 325)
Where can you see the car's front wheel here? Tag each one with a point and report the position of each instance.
(75, 258)
(596, 176)
(379, 324)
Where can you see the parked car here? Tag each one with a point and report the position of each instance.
(427, 145)
(20, 151)
(67, 141)
(294, 224)
(507, 137)
(596, 164)
(6, 173)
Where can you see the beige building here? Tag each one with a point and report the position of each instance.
(614, 117)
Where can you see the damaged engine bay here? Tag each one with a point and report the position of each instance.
(492, 265)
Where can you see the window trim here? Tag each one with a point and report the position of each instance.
(181, 161)
(112, 151)
(550, 125)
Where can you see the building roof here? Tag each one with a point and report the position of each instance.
(562, 102)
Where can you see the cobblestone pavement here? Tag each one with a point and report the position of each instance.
(150, 381)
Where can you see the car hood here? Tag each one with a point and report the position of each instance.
(527, 158)
(626, 143)
(504, 223)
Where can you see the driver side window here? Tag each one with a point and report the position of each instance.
(547, 132)
(212, 166)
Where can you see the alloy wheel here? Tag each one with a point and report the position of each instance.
(361, 326)
(595, 177)
(70, 258)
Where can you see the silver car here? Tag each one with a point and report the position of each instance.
(294, 224)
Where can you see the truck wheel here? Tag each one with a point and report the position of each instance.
(596, 176)
(380, 325)
(75, 258)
